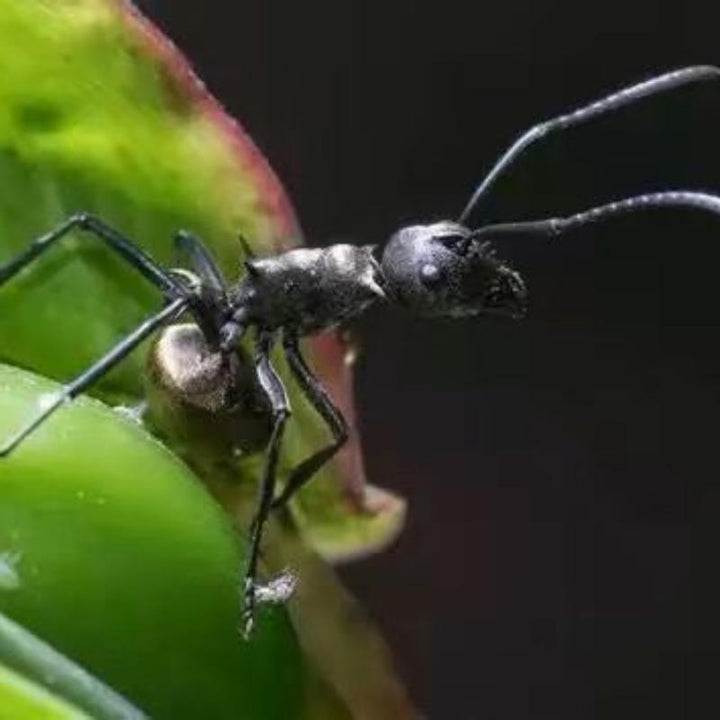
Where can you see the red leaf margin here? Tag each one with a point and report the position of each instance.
(329, 351)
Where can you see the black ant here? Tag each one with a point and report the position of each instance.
(442, 269)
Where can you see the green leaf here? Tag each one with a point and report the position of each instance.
(123, 563)
(21, 699)
(36, 659)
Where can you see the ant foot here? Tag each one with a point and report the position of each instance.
(276, 591)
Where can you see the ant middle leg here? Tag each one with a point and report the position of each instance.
(321, 401)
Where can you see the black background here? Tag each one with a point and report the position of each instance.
(560, 555)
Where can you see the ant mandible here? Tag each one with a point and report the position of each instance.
(441, 269)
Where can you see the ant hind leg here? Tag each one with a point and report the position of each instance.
(72, 389)
(114, 239)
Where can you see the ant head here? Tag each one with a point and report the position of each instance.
(442, 270)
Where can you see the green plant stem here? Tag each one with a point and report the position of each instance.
(27, 654)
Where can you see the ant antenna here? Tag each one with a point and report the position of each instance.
(560, 225)
(608, 104)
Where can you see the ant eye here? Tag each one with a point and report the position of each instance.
(430, 274)
(450, 241)
(455, 242)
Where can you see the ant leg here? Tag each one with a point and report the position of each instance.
(248, 252)
(130, 252)
(321, 401)
(72, 389)
(560, 225)
(608, 104)
(201, 261)
(275, 391)
(212, 300)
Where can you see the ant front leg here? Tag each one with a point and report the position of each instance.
(322, 402)
(280, 587)
(275, 390)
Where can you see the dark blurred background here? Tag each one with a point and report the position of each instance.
(560, 554)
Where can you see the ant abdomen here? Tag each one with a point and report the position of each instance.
(188, 368)
(203, 397)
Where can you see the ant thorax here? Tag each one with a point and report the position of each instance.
(310, 289)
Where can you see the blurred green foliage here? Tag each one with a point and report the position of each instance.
(124, 562)
(110, 548)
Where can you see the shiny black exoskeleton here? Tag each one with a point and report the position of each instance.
(307, 290)
(443, 269)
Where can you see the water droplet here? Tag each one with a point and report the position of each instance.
(9, 576)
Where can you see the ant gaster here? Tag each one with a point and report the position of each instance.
(440, 269)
